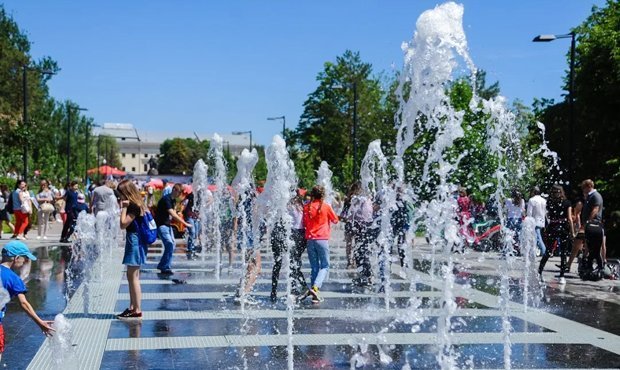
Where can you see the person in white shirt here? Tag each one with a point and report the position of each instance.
(537, 209)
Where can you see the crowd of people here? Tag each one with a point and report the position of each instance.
(562, 226)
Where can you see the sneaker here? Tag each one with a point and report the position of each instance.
(129, 314)
(38, 237)
(316, 296)
(45, 237)
(166, 272)
(303, 296)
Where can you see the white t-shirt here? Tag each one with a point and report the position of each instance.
(537, 209)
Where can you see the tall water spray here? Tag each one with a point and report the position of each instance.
(86, 259)
(430, 62)
(376, 185)
(247, 227)
(274, 201)
(324, 178)
(219, 171)
(202, 199)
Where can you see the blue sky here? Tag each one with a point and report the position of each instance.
(225, 66)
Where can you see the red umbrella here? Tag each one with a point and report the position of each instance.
(107, 170)
(156, 183)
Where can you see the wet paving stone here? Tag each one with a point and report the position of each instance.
(324, 325)
(490, 356)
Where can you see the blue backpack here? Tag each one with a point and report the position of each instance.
(146, 228)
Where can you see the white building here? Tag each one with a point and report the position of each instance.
(137, 147)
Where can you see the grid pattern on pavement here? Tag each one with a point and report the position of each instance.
(228, 337)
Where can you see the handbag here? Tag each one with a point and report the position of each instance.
(47, 207)
(26, 207)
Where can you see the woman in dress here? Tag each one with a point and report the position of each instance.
(132, 208)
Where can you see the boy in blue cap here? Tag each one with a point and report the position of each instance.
(14, 255)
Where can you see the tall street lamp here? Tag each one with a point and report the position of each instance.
(283, 118)
(354, 134)
(243, 133)
(571, 90)
(25, 70)
(86, 149)
(69, 109)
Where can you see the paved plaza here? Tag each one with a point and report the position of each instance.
(191, 322)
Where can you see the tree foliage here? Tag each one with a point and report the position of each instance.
(179, 155)
(325, 131)
(596, 145)
(46, 128)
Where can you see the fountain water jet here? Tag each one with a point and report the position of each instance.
(247, 227)
(275, 199)
(200, 187)
(216, 156)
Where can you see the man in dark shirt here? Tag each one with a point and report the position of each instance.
(166, 211)
(591, 219)
(70, 204)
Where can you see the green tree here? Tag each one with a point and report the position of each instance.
(325, 131)
(179, 155)
(596, 145)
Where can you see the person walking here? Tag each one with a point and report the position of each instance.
(5, 217)
(132, 209)
(166, 211)
(537, 209)
(592, 222)
(559, 210)
(14, 255)
(191, 216)
(70, 199)
(45, 198)
(360, 215)
(21, 209)
(318, 217)
(278, 246)
(244, 228)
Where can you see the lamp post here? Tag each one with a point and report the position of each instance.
(69, 108)
(354, 134)
(25, 70)
(86, 149)
(283, 118)
(242, 133)
(571, 90)
(227, 147)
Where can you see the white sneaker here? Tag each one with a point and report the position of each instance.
(39, 237)
(45, 237)
(562, 280)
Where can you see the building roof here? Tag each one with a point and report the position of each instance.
(129, 132)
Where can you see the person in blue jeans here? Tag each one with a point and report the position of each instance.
(191, 215)
(165, 212)
(318, 217)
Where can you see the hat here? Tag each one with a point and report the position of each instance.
(80, 198)
(16, 248)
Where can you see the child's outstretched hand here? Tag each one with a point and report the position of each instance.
(46, 328)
